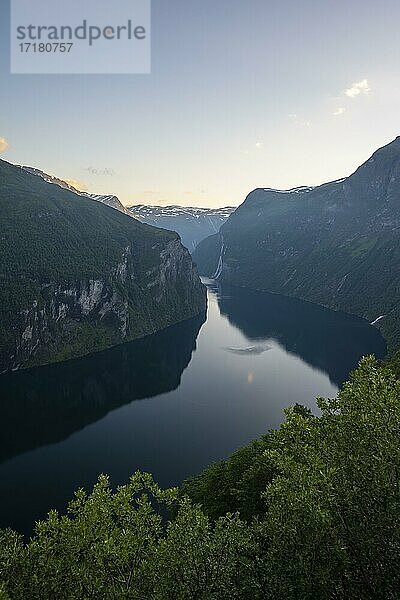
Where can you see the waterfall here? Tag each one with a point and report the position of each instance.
(218, 272)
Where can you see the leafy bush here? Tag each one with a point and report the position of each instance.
(317, 517)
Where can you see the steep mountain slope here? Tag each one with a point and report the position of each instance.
(76, 276)
(192, 224)
(112, 201)
(337, 244)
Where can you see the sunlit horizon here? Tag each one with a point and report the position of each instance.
(239, 97)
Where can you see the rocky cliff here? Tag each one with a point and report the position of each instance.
(337, 244)
(77, 276)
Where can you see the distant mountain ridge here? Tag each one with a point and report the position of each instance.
(337, 244)
(193, 224)
(112, 201)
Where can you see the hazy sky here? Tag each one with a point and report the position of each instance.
(243, 94)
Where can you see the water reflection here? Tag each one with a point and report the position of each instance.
(256, 354)
(46, 405)
(327, 340)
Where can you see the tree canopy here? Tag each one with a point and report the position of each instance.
(311, 511)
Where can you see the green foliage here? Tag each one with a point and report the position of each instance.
(117, 545)
(394, 364)
(51, 234)
(318, 517)
(3, 593)
(236, 484)
(52, 243)
(335, 507)
(198, 559)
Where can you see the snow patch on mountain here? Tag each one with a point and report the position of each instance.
(297, 190)
(193, 224)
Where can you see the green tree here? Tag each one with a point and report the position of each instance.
(201, 560)
(333, 522)
(235, 484)
(115, 545)
(321, 501)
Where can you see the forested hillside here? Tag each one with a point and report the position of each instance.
(77, 276)
(337, 244)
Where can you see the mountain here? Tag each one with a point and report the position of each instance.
(77, 276)
(337, 244)
(112, 201)
(192, 224)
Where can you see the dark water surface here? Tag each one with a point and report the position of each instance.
(172, 402)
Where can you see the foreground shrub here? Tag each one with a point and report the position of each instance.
(117, 545)
(333, 521)
(309, 512)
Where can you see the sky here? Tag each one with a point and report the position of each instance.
(242, 94)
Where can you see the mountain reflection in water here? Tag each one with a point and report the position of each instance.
(206, 388)
(46, 405)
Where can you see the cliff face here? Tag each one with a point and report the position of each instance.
(79, 277)
(337, 244)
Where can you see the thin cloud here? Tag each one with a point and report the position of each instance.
(358, 88)
(4, 145)
(339, 111)
(259, 145)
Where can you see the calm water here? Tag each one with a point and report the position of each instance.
(170, 403)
